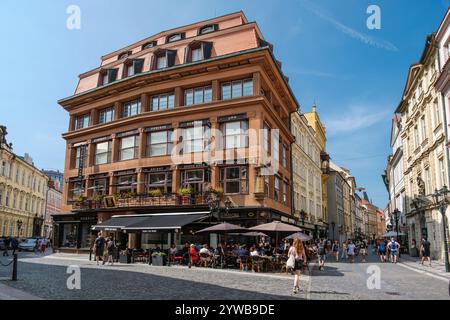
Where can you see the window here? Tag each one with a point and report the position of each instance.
(284, 156)
(162, 102)
(175, 37)
(161, 181)
(197, 54)
(237, 89)
(80, 157)
(103, 152)
(131, 108)
(100, 186)
(208, 29)
(126, 183)
(163, 58)
(197, 51)
(285, 194)
(195, 139)
(416, 137)
(266, 186)
(277, 188)
(442, 172)
(82, 121)
(198, 95)
(159, 143)
(124, 55)
(235, 134)
(133, 67)
(423, 128)
(276, 149)
(129, 148)
(234, 180)
(106, 115)
(195, 179)
(161, 62)
(108, 76)
(266, 142)
(149, 45)
(437, 114)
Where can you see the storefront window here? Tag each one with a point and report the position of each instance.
(87, 237)
(69, 235)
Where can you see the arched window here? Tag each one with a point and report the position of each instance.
(175, 37)
(149, 45)
(163, 58)
(124, 55)
(208, 29)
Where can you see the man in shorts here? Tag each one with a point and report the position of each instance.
(393, 247)
(351, 251)
(382, 250)
(425, 250)
(322, 254)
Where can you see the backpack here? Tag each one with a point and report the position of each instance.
(382, 246)
(321, 249)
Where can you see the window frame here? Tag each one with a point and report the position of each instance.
(242, 179)
(130, 105)
(83, 117)
(243, 134)
(135, 147)
(168, 143)
(241, 88)
(107, 152)
(170, 100)
(104, 112)
(192, 91)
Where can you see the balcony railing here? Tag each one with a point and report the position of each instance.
(142, 201)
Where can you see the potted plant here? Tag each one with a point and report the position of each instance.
(81, 199)
(117, 196)
(155, 193)
(218, 192)
(158, 259)
(99, 199)
(185, 194)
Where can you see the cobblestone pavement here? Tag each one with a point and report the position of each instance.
(46, 277)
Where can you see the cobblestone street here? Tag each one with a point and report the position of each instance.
(45, 278)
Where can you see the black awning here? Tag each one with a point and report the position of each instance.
(165, 222)
(148, 222)
(118, 223)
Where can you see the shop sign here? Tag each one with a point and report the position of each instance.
(96, 140)
(189, 124)
(236, 117)
(127, 133)
(156, 169)
(149, 231)
(291, 221)
(284, 219)
(159, 128)
(231, 215)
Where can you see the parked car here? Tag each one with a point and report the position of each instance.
(28, 244)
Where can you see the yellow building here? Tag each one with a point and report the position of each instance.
(320, 135)
(307, 176)
(22, 193)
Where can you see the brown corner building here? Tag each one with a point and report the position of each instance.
(164, 96)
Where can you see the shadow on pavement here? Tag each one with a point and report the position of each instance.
(49, 282)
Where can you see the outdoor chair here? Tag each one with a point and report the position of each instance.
(244, 263)
(257, 263)
(205, 259)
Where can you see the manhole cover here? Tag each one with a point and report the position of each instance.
(393, 293)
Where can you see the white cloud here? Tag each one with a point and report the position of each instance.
(378, 43)
(354, 119)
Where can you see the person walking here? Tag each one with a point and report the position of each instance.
(322, 254)
(111, 247)
(336, 250)
(99, 246)
(363, 250)
(5, 251)
(105, 255)
(393, 247)
(382, 250)
(344, 254)
(37, 246)
(351, 251)
(43, 245)
(296, 261)
(14, 245)
(425, 250)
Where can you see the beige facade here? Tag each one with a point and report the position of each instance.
(307, 173)
(22, 194)
(423, 137)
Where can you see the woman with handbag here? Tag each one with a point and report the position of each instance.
(296, 261)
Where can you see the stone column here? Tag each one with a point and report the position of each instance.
(178, 97)
(117, 110)
(114, 148)
(145, 105)
(94, 117)
(215, 90)
(142, 142)
(256, 84)
(140, 181)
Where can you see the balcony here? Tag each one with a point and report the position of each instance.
(129, 201)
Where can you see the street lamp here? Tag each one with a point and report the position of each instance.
(440, 198)
(396, 216)
(333, 224)
(303, 217)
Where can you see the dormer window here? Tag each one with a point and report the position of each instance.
(107, 76)
(149, 45)
(133, 67)
(197, 51)
(163, 58)
(124, 55)
(175, 37)
(208, 29)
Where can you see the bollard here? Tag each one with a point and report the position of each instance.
(14, 274)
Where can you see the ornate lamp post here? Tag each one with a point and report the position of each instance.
(396, 216)
(440, 199)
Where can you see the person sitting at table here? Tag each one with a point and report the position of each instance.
(205, 255)
(267, 250)
(243, 251)
(254, 252)
(277, 250)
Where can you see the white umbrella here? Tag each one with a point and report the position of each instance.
(392, 234)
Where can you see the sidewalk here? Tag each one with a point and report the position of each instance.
(437, 268)
(9, 293)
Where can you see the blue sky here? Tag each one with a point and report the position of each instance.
(355, 75)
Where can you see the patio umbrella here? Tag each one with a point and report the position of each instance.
(392, 234)
(276, 226)
(223, 228)
(300, 235)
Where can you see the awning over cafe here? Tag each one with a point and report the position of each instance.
(149, 222)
